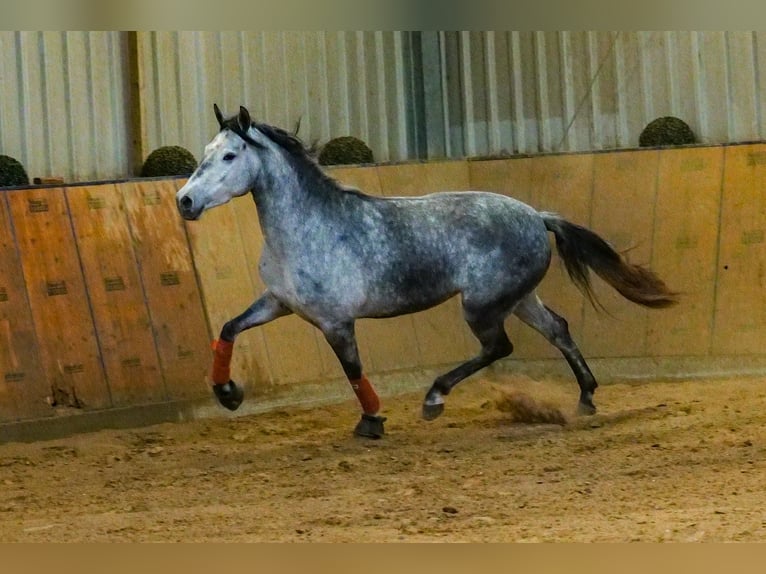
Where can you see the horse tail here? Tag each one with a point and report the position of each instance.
(581, 249)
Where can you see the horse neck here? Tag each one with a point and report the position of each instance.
(291, 199)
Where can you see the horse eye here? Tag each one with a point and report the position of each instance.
(229, 156)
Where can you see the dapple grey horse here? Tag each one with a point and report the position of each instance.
(333, 254)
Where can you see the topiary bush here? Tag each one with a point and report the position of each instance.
(168, 161)
(667, 130)
(12, 173)
(343, 151)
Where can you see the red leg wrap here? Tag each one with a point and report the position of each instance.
(221, 361)
(366, 394)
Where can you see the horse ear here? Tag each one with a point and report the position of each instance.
(244, 119)
(218, 115)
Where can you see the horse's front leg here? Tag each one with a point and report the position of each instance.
(343, 342)
(266, 308)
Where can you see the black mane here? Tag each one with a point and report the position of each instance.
(290, 142)
(297, 150)
(286, 140)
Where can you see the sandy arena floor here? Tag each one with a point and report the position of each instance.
(681, 461)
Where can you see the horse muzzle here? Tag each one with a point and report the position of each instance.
(187, 208)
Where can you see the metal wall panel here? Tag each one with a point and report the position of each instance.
(527, 92)
(62, 111)
(335, 83)
(66, 95)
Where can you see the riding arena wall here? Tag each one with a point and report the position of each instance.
(109, 301)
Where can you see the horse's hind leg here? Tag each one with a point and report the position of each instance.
(342, 339)
(494, 345)
(554, 328)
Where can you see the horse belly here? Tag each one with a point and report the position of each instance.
(408, 289)
(394, 307)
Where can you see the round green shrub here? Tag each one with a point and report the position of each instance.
(12, 173)
(168, 161)
(344, 151)
(667, 130)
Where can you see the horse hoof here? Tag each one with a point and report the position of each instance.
(430, 412)
(370, 426)
(230, 395)
(586, 409)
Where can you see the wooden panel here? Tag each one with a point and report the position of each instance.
(446, 176)
(387, 345)
(511, 177)
(293, 349)
(364, 179)
(62, 317)
(740, 308)
(169, 282)
(23, 388)
(402, 180)
(116, 295)
(563, 184)
(413, 179)
(227, 289)
(622, 212)
(685, 249)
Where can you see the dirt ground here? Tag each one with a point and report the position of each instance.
(662, 461)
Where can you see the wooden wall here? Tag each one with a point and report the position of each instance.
(108, 299)
(101, 306)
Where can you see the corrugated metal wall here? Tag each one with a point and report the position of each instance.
(335, 83)
(527, 92)
(65, 103)
(67, 107)
(62, 110)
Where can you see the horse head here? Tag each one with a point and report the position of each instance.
(230, 166)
